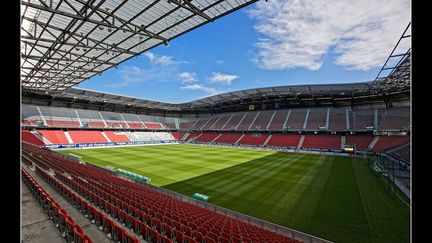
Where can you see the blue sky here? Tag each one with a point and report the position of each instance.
(265, 44)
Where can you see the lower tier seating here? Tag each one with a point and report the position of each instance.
(87, 137)
(178, 135)
(29, 137)
(361, 141)
(207, 137)
(149, 213)
(254, 139)
(285, 140)
(322, 141)
(72, 232)
(54, 136)
(118, 137)
(388, 142)
(228, 138)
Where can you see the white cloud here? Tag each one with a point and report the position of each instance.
(161, 60)
(222, 78)
(219, 62)
(209, 90)
(187, 77)
(300, 33)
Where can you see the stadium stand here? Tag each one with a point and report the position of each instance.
(149, 213)
(254, 139)
(118, 137)
(389, 142)
(296, 119)
(29, 137)
(247, 121)
(66, 225)
(192, 135)
(96, 124)
(284, 140)
(157, 126)
(262, 120)
(277, 124)
(210, 123)
(61, 123)
(361, 141)
(402, 153)
(221, 121)
(337, 119)
(186, 123)
(87, 137)
(322, 141)
(149, 136)
(316, 119)
(200, 123)
(394, 119)
(234, 121)
(54, 136)
(207, 137)
(178, 135)
(168, 122)
(228, 138)
(360, 119)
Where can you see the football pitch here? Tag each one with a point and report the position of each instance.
(332, 197)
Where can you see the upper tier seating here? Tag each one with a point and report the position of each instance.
(278, 120)
(150, 125)
(234, 121)
(185, 124)
(296, 119)
(262, 121)
(87, 137)
(117, 137)
(247, 121)
(200, 123)
(360, 119)
(54, 136)
(135, 125)
(27, 136)
(116, 124)
(29, 122)
(210, 123)
(388, 142)
(254, 139)
(221, 122)
(322, 141)
(394, 119)
(284, 140)
(59, 123)
(316, 119)
(96, 124)
(148, 212)
(337, 120)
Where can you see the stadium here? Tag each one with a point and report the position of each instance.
(289, 163)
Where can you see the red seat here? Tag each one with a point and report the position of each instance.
(164, 239)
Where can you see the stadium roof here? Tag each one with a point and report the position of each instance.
(64, 42)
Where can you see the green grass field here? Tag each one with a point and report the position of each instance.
(332, 197)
